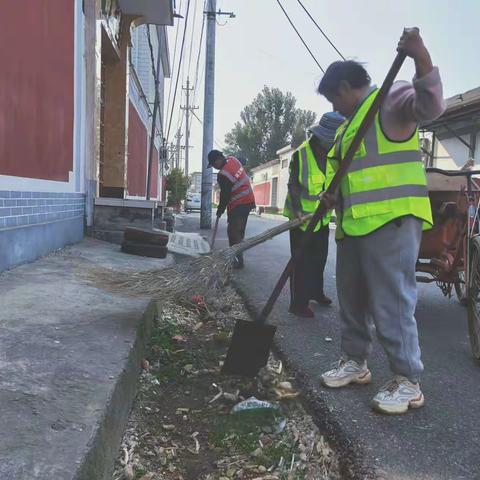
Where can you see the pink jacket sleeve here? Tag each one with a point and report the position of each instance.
(408, 104)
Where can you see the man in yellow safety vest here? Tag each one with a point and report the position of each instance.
(382, 207)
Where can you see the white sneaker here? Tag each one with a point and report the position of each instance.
(345, 372)
(397, 396)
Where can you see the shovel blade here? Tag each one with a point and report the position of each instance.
(249, 348)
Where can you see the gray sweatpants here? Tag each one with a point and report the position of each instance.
(376, 285)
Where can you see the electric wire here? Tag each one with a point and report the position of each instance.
(321, 31)
(192, 35)
(195, 82)
(178, 72)
(299, 36)
(221, 147)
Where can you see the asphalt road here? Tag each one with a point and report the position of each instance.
(438, 442)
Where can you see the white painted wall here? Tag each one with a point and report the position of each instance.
(283, 177)
(451, 154)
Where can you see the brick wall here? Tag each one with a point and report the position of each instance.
(28, 208)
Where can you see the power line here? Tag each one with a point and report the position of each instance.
(321, 31)
(299, 36)
(195, 82)
(192, 35)
(221, 147)
(179, 68)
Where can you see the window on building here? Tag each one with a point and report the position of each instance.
(285, 163)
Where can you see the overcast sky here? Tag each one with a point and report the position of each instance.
(259, 48)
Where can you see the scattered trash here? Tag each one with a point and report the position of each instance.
(190, 418)
(128, 473)
(198, 326)
(253, 403)
(169, 428)
(286, 393)
(179, 339)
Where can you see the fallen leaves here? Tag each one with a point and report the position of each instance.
(174, 426)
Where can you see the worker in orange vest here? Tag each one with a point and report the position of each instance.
(236, 196)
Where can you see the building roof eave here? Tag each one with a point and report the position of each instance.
(155, 12)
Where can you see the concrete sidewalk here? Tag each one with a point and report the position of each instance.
(69, 362)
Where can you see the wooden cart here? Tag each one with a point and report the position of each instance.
(450, 251)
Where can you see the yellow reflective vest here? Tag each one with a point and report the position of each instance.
(312, 181)
(385, 181)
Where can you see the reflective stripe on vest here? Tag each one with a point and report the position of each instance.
(242, 193)
(386, 179)
(312, 181)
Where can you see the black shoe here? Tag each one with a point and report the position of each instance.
(323, 300)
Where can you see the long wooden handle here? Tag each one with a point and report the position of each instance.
(333, 187)
(215, 228)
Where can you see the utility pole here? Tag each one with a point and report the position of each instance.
(187, 109)
(178, 136)
(208, 113)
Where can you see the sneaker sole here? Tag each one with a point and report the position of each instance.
(362, 379)
(398, 410)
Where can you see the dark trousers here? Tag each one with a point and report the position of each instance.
(237, 223)
(306, 281)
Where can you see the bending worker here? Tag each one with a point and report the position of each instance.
(308, 178)
(382, 207)
(236, 196)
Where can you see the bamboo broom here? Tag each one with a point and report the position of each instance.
(182, 280)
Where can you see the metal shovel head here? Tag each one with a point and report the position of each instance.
(249, 348)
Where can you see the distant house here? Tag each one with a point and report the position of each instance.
(452, 139)
(269, 181)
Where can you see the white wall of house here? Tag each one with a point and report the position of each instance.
(451, 153)
(262, 175)
(284, 155)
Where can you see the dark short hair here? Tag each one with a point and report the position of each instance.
(348, 71)
(213, 155)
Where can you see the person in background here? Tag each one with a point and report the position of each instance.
(308, 178)
(236, 196)
(382, 207)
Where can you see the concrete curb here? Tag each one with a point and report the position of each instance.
(102, 449)
(355, 462)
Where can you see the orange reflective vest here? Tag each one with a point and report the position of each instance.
(242, 193)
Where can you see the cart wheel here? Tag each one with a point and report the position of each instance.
(461, 289)
(474, 298)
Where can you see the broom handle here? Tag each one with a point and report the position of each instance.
(344, 166)
(215, 228)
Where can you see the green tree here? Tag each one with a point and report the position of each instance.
(267, 124)
(177, 186)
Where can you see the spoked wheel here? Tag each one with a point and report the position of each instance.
(474, 298)
(461, 289)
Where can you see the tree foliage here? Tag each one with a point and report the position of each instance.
(177, 186)
(268, 124)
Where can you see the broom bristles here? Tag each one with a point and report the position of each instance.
(196, 276)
